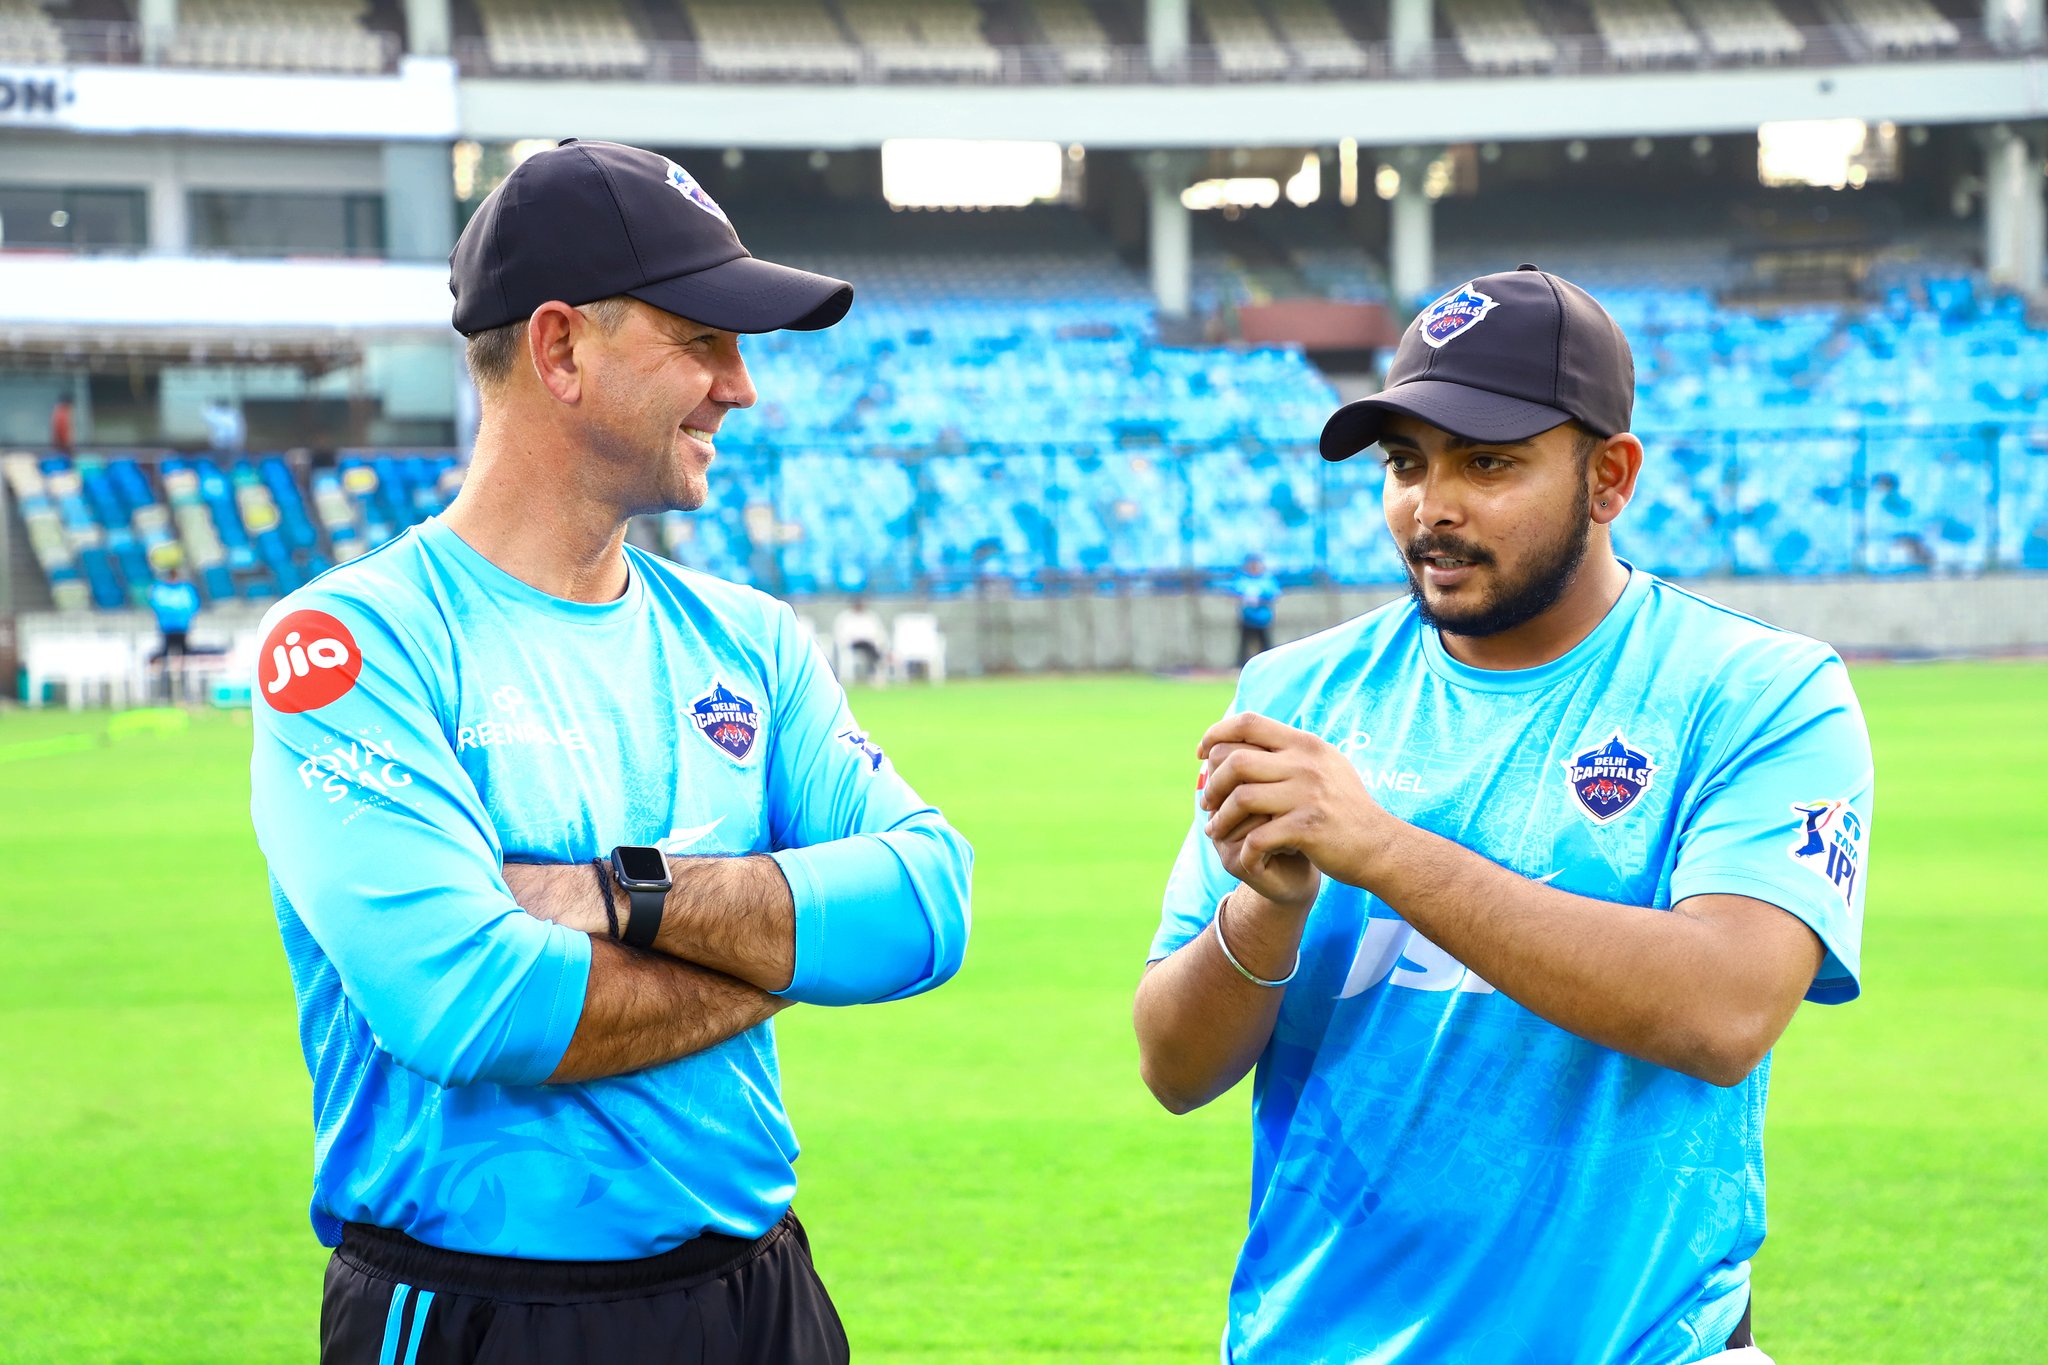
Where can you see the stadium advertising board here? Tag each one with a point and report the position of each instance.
(417, 102)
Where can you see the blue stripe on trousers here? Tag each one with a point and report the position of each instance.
(419, 1324)
(392, 1321)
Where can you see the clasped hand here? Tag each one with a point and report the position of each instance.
(1286, 808)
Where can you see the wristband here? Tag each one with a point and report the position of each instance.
(644, 920)
(611, 905)
(1231, 957)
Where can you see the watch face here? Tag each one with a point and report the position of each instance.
(640, 864)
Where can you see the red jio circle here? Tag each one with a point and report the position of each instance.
(309, 659)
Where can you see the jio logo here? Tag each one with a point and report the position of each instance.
(309, 659)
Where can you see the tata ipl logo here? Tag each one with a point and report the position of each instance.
(309, 659)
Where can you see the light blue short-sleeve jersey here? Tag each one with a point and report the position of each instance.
(1440, 1176)
(422, 718)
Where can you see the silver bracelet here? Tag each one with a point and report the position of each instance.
(1231, 957)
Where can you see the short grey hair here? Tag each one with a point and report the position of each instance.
(492, 354)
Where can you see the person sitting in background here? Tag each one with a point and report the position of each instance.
(1256, 592)
(175, 601)
(860, 643)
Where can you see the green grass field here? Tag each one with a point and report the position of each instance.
(984, 1177)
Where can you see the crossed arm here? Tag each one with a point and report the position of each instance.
(1705, 989)
(727, 939)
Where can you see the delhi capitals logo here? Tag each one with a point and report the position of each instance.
(727, 719)
(685, 184)
(1455, 314)
(1608, 779)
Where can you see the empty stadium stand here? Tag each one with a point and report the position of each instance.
(28, 34)
(1080, 47)
(786, 38)
(1498, 35)
(595, 37)
(1901, 28)
(1754, 30)
(298, 35)
(1640, 32)
(1320, 42)
(1243, 42)
(923, 37)
(1014, 422)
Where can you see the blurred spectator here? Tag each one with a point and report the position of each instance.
(226, 431)
(860, 643)
(60, 427)
(1256, 592)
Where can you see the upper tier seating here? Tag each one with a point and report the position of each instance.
(923, 37)
(1750, 29)
(1639, 31)
(28, 34)
(1901, 27)
(1321, 43)
(302, 35)
(590, 37)
(1498, 35)
(743, 38)
(1243, 42)
(1076, 36)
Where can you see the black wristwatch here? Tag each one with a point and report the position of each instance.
(642, 873)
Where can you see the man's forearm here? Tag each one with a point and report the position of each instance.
(733, 915)
(642, 1009)
(1201, 1025)
(1665, 986)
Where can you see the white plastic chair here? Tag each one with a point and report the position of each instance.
(918, 643)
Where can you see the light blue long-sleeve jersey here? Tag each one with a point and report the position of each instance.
(1440, 1177)
(422, 717)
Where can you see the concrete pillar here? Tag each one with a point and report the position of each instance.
(170, 227)
(1411, 232)
(2015, 23)
(2015, 214)
(1411, 29)
(158, 20)
(419, 201)
(1166, 33)
(1172, 235)
(428, 28)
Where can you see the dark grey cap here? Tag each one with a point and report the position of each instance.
(1500, 358)
(588, 220)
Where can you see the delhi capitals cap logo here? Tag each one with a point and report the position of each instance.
(1455, 314)
(1608, 779)
(727, 719)
(685, 184)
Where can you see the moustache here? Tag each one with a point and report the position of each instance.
(1422, 547)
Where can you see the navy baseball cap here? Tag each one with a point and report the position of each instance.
(1500, 358)
(588, 220)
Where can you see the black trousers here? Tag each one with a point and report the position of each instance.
(390, 1300)
(1252, 640)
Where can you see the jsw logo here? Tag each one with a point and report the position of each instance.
(313, 661)
(1391, 950)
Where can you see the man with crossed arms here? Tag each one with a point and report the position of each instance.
(1508, 889)
(556, 827)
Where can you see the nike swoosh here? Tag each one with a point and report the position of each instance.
(680, 839)
(1548, 877)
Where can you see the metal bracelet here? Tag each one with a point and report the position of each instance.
(1231, 957)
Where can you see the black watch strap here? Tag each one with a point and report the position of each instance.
(645, 921)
